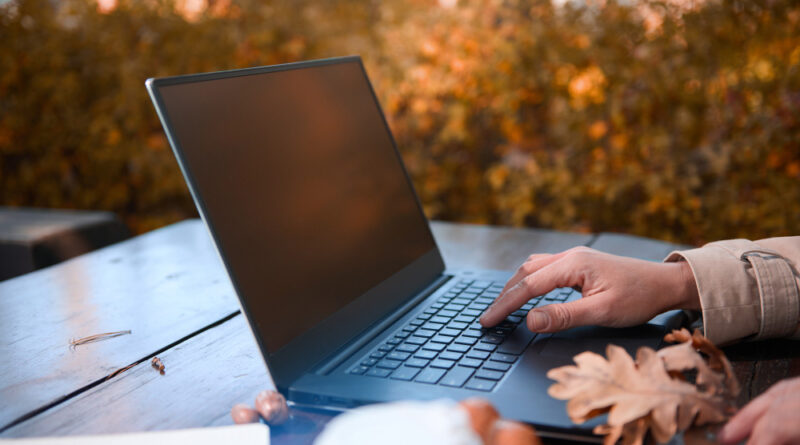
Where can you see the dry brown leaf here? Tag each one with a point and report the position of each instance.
(650, 393)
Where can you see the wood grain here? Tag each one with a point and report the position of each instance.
(467, 246)
(162, 286)
(635, 246)
(209, 373)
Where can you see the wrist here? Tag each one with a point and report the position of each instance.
(686, 287)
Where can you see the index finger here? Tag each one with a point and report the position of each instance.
(559, 273)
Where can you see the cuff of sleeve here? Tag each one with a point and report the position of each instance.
(728, 293)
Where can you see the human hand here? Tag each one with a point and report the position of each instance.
(617, 291)
(770, 418)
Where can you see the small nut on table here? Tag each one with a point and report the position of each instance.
(242, 413)
(272, 407)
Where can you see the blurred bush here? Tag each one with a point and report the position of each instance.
(673, 119)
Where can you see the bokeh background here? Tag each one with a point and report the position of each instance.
(677, 120)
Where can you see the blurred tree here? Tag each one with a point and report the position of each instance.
(671, 119)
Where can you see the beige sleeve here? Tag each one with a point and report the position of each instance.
(748, 290)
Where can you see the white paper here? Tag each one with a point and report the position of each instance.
(249, 434)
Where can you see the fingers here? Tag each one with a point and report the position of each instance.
(531, 265)
(741, 425)
(558, 317)
(559, 273)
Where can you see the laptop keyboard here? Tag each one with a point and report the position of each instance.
(445, 345)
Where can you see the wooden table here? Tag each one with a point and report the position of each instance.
(169, 288)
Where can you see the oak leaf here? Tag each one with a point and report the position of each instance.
(651, 393)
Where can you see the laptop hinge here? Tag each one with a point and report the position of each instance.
(353, 346)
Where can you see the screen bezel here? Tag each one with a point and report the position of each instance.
(327, 337)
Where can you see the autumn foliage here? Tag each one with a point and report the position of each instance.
(655, 118)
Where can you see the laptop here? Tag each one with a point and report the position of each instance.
(297, 176)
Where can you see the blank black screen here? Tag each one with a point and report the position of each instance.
(309, 202)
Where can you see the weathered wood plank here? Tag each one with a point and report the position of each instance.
(207, 374)
(501, 248)
(162, 286)
(635, 246)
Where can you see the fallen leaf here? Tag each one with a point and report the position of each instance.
(651, 393)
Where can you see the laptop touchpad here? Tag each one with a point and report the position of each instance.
(592, 338)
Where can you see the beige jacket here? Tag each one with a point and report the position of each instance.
(748, 290)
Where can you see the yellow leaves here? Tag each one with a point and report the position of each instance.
(651, 392)
(597, 130)
(587, 87)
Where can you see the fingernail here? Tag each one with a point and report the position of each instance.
(539, 320)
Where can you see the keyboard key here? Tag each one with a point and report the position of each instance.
(429, 311)
(402, 334)
(394, 341)
(461, 300)
(488, 374)
(440, 319)
(454, 307)
(492, 338)
(447, 313)
(405, 347)
(440, 363)
(432, 326)
(472, 312)
(416, 322)
(505, 358)
(450, 332)
(385, 348)
(405, 373)
(427, 333)
(480, 384)
(466, 340)
(480, 355)
(369, 362)
(442, 339)
(482, 284)
(514, 319)
(473, 333)
(457, 325)
(479, 306)
(398, 355)
(433, 346)
(437, 305)
(450, 355)
(458, 348)
(465, 318)
(378, 372)
(470, 362)
(425, 354)
(520, 313)
(388, 364)
(424, 316)
(416, 362)
(484, 299)
(456, 377)
(485, 347)
(358, 370)
(377, 354)
(409, 328)
(430, 375)
(415, 340)
(497, 366)
(517, 341)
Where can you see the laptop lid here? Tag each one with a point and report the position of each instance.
(297, 176)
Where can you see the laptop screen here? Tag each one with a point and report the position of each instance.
(307, 197)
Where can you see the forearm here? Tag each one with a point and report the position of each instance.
(745, 297)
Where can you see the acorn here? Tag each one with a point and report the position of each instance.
(272, 407)
(242, 413)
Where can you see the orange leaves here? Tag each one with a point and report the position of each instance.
(651, 393)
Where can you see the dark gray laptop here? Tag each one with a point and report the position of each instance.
(296, 174)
